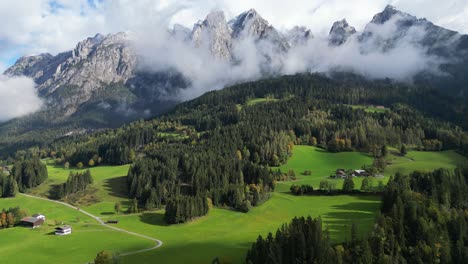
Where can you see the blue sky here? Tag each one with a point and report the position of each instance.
(36, 26)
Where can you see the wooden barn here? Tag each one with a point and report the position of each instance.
(32, 222)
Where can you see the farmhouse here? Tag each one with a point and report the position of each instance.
(341, 173)
(33, 221)
(362, 173)
(63, 230)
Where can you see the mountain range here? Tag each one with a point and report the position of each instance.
(103, 81)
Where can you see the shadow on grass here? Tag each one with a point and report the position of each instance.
(194, 252)
(154, 218)
(117, 186)
(107, 213)
(54, 191)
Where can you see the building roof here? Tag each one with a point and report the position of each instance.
(37, 215)
(63, 227)
(29, 219)
(32, 220)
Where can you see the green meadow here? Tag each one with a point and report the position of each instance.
(228, 235)
(370, 109)
(109, 187)
(40, 245)
(322, 164)
(222, 233)
(424, 161)
(260, 100)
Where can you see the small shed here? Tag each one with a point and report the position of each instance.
(63, 230)
(32, 222)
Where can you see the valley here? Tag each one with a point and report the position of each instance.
(201, 240)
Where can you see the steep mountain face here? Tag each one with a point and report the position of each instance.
(340, 32)
(298, 36)
(100, 82)
(215, 34)
(391, 26)
(80, 73)
(251, 24)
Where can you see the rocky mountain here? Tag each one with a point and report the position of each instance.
(215, 34)
(298, 36)
(251, 24)
(340, 32)
(71, 78)
(100, 83)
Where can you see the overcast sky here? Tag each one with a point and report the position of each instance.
(36, 26)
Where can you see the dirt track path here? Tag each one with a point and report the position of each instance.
(158, 243)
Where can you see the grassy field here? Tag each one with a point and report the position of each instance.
(426, 161)
(260, 100)
(222, 233)
(108, 188)
(370, 109)
(322, 164)
(25, 245)
(228, 234)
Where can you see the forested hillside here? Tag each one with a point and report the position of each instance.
(220, 146)
(423, 220)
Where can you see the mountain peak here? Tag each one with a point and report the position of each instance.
(388, 13)
(250, 21)
(340, 32)
(214, 33)
(298, 35)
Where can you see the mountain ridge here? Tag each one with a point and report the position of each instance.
(100, 80)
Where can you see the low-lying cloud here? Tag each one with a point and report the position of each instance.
(18, 97)
(387, 53)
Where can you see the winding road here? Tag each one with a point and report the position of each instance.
(158, 242)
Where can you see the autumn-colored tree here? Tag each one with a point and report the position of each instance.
(239, 155)
(91, 163)
(3, 219)
(10, 219)
(80, 165)
(117, 207)
(105, 257)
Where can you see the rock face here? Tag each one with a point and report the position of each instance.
(214, 33)
(80, 79)
(340, 32)
(298, 36)
(251, 25)
(95, 62)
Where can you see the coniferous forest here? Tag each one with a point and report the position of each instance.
(220, 147)
(422, 220)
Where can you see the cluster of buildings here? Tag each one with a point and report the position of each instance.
(343, 174)
(37, 220)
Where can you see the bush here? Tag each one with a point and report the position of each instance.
(301, 190)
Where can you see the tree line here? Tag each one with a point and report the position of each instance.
(430, 226)
(11, 216)
(8, 186)
(185, 208)
(29, 173)
(76, 182)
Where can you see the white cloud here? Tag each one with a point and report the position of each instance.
(18, 97)
(35, 26)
